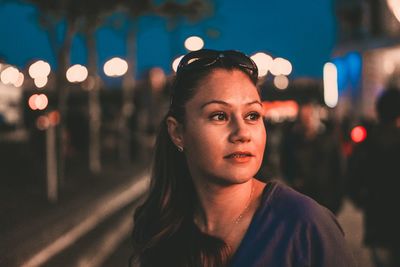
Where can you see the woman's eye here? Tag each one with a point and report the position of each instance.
(253, 116)
(220, 116)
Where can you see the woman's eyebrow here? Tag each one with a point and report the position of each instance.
(255, 102)
(221, 102)
(215, 102)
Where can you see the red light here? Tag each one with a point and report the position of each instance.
(358, 134)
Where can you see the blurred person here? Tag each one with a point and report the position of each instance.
(205, 207)
(151, 103)
(373, 175)
(311, 157)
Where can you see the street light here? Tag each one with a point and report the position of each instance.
(285, 66)
(331, 93)
(115, 67)
(77, 73)
(9, 75)
(194, 43)
(39, 69)
(281, 82)
(38, 101)
(20, 81)
(39, 72)
(281, 66)
(263, 62)
(40, 82)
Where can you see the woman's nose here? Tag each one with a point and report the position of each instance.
(240, 131)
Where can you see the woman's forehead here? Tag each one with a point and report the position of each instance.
(226, 84)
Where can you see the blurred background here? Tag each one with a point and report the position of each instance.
(84, 85)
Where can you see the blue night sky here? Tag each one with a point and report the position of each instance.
(302, 31)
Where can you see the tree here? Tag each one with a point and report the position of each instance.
(134, 10)
(92, 15)
(88, 16)
(175, 13)
(52, 15)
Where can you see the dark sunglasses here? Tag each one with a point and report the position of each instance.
(204, 58)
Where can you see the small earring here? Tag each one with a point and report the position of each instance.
(180, 149)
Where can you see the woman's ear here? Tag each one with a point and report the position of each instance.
(175, 131)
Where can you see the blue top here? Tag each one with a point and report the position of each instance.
(291, 229)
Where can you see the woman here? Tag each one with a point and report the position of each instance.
(205, 208)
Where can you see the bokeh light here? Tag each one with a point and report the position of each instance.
(31, 102)
(20, 80)
(40, 82)
(42, 122)
(175, 63)
(38, 101)
(54, 117)
(278, 111)
(281, 66)
(9, 75)
(115, 67)
(157, 78)
(331, 91)
(263, 62)
(77, 73)
(39, 69)
(281, 82)
(194, 43)
(358, 134)
(285, 66)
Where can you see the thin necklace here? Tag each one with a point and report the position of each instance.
(239, 218)
(241, 215)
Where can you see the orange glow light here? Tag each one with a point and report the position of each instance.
(54, 118)
(358, 134)
(279, 111)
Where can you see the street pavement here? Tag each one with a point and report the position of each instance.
(33, 230)
(351, 220)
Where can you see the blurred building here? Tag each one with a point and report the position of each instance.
(11, 94)
(368, 52)
(10, 110)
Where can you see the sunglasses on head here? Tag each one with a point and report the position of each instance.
(204, 58)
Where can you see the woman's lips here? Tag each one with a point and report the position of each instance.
(239, 157)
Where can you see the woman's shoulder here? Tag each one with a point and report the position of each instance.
(288, 203)
(290, 225)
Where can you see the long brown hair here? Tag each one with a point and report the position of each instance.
(164, 233)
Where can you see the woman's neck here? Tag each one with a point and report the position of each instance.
(226, 212)
(221, 207)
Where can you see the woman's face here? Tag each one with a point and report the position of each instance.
(224, 135)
